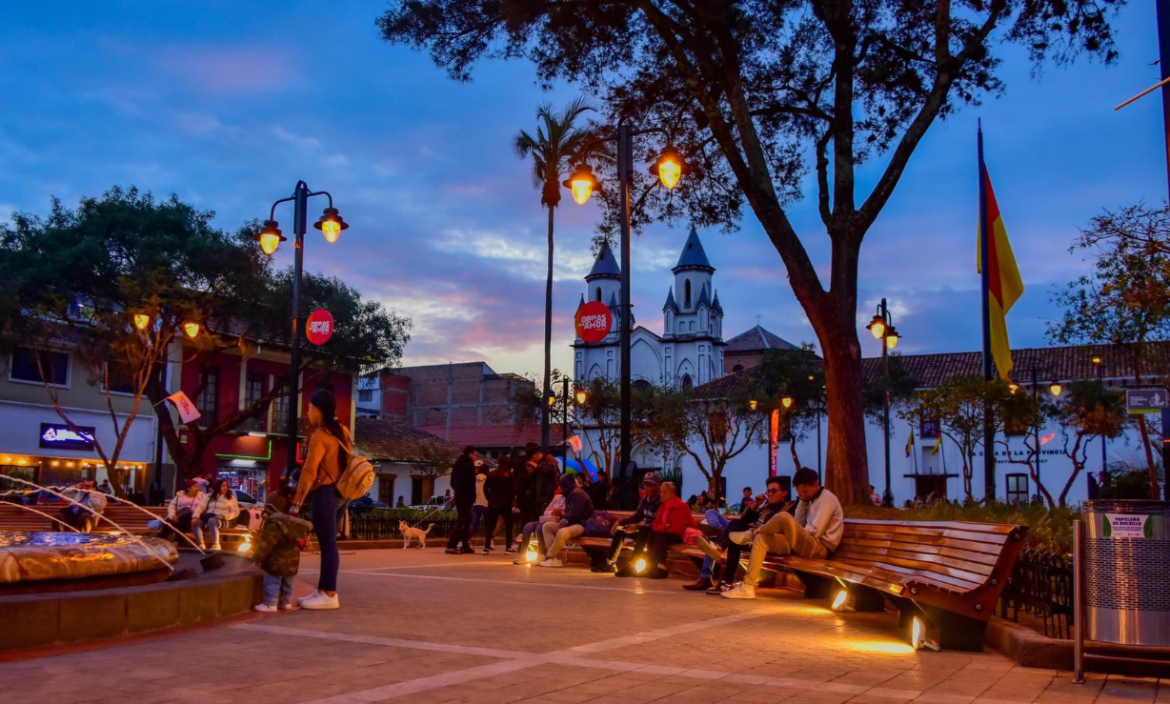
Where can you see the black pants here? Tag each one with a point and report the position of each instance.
(80, 518)
(619, 536)
(494, 514)
(461, 531)
(183, 523)
(659, 542)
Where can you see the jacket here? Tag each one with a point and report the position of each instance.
(674, 516)
(225, 508)
(545, 478)
(647, 511)
(463, 481)
(92, 498)
(480, 490)
(758, 517)
(278, 549)
(578, 508)
(183, 502)
(500, 489)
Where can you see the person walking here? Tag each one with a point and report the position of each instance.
(463, 485)
(523, 471)
(329, 449)
(501, 494)
(218, 510)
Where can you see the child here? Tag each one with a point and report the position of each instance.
(278, 553)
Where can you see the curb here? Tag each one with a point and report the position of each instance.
(1032, 649)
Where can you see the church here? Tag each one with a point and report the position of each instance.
(690, 350)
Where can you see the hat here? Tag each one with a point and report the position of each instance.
(479, 463)
(651, 478)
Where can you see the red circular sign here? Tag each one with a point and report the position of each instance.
(319, 326)
(594, 321)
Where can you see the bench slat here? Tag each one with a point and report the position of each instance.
(848, 549)
(956, 550)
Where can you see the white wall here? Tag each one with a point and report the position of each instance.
(21, 424)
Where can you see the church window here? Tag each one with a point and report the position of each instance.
(687, 296)
(692, 326)
(687, 384)
(682, 326)
(598, 294)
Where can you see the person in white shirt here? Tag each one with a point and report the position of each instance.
(218, 510)
(874, 497)
(814, 531)
(181, 510)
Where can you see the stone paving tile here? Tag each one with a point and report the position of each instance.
(425, 627)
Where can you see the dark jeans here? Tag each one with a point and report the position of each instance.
(734, 550)
(461, 531)
(326, 504)
(660, 541)
(494, 514)
(479, 515)
(82, 519)
(183, 523)
(619, 536)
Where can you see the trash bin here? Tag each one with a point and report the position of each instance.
(1127, 571)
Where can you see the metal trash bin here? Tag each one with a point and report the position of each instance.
(1127, 571)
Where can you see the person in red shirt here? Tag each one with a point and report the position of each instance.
(673, 518)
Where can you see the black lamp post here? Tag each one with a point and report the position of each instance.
(1100, 365)
(669, 168)
(882, 328)
(330, 224)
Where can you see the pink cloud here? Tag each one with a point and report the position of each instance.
(228, 70)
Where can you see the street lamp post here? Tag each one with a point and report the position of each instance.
(1100, 365)
(565, 417)
(882, 328)
(669, 168)
(330, 224)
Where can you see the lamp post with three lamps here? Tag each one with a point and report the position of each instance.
(882, 328)
(669, 168)
(331, 225)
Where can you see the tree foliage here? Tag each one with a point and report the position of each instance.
(1085, 411)
(757, 94)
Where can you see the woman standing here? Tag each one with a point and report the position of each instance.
(329, 450)
(217, 511)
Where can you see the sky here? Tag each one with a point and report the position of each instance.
(228, 104)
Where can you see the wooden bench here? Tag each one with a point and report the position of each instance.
(948, 575)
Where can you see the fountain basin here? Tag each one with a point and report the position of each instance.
(54, 557)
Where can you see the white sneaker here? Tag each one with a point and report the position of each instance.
(740, 591)
(264, 608)
(216, 547)
(552, 562)
(301, 601)
(743, 537)
(321, 602)
(286, 607)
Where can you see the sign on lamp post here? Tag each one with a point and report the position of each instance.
(319, 327)
(594, 321)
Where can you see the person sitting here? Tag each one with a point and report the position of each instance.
(218, 510)
(552, 514)
(181, 510)
(578, 511)
(760, 511)
(638, 524)
(401, 502)
(86, 508)
(874, 497)
(814, 531)
(670, 522)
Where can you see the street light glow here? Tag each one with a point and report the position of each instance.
(877, 327)
(1055, 388)
(331, 224)
(786, 401)
(892, 338)
(141, 320)
(582, 397)
(192, 328)
(270, 237)
(669, 168)
(581, 183)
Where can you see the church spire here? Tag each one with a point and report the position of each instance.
(693, 256)
(606, 266)
(670, 304)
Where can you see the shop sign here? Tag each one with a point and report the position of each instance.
(593, 321)
(58, 436)
(1127, 525)
(319, 326)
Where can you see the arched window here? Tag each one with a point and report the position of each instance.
(598, 294)
(687, 384)
(687, 295)
(682, 326)
(737, 368)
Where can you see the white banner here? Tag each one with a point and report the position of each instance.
(187, 410)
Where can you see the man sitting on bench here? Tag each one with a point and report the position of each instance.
(638, 523)
(814, 532)
(757, 513)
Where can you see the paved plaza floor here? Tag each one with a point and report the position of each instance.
(422, 626)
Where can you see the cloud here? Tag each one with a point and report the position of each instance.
(229, 70)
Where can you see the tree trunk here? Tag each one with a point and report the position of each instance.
(846, 464)
(548, 293)
(713, 487)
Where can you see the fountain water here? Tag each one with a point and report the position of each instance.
(46, 515)
(162, 520)
(82, 506)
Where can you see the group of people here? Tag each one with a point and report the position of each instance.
(194, 511)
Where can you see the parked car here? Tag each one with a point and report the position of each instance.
(246, 500)
(365, 504)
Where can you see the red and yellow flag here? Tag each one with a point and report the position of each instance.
(1004, 285)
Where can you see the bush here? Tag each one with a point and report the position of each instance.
(1047, 530)
(410, 515)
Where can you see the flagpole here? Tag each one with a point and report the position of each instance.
(914, 451)
(985, 288)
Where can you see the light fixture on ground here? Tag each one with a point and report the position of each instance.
(839, 600)
(640, 565)
(331, 225)
(669, 167)
(882, 328)
(530, 553)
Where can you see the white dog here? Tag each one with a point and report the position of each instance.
(417, 534)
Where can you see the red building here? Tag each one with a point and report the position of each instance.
(254, 451)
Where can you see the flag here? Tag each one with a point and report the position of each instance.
(910, 443)
(1004, 285)
(1047, 438)
(937, 446)
(575, 443)
(187, 410)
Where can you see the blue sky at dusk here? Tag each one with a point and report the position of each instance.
(228, 104)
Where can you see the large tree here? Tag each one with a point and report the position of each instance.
(85, 275)
(749, 91)
(558, 144)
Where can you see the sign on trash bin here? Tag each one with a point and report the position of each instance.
(1126, 525)
(1150, 400)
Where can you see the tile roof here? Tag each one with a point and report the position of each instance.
(606, 265)
(495, 435)
(395, 440)
(756, 340)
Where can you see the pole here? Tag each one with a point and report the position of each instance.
(1036, 400)
(985, 288)
(300, 205)
(625, 166)
(888, 496)
(819, 443)
(1078, 602)
(1164, 55)
(1101, 380)
(565, 417)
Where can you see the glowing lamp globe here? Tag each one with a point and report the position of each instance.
(141, 320)
(670, 167)
(269, 237)
(877, 327)
(892, 339)
(786, 402)
(1055, 389)
(191, 329)
(582, 397)
(331, 224)
(582, 183)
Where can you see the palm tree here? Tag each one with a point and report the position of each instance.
(558, 145)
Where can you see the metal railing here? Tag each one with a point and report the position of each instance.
(1041, 586)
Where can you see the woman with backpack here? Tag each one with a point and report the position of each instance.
(329, 449)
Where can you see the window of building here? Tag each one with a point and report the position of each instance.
(208, 401)
(366, 396)
(24, 366)
(687, 296)
(280, 413)
(1017, 488)
(687, 383)
(692, 326)
(120, 378)
(253, 388)
(598, 294)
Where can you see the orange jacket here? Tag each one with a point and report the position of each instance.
(674, 516)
